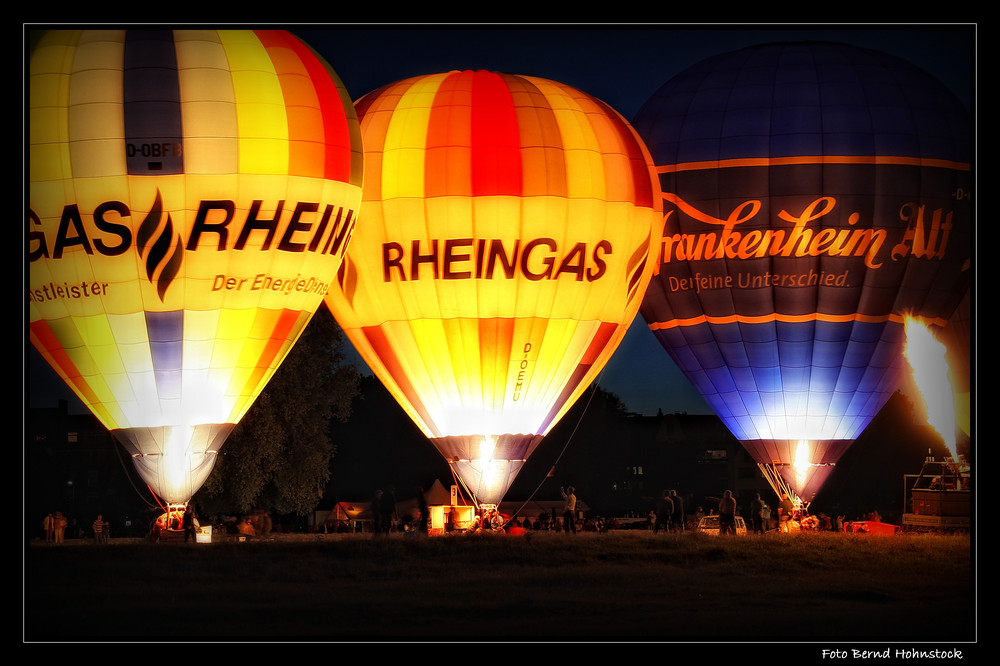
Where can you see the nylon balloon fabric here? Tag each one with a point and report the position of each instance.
(504, 250)
(191, 194)
(815, 195)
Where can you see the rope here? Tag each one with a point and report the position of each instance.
(778, 484)
(461, 484)
(125, 468)
(593, 391)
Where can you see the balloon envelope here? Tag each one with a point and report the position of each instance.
(191, 196)
(503, 251)
(814, 195)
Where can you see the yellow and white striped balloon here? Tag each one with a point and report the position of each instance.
(192, 195)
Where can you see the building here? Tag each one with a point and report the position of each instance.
(73, 465)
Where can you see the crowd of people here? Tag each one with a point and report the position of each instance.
(54, 525)
(785, 516)
(670, 514)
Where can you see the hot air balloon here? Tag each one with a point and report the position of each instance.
(503, 252)
(815, 195)
(192, 193)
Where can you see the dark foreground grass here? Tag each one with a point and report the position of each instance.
(619, 586)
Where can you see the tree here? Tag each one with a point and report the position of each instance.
(278, 457)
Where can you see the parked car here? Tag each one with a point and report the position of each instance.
(710, 525)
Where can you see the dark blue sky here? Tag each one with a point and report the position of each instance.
(621, 65)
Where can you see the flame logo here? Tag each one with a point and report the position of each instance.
(636, 265)
(160, 258)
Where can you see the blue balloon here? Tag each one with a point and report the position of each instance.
(816, 194)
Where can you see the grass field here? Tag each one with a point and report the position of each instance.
(622, 586)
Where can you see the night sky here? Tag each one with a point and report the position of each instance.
(621, 65)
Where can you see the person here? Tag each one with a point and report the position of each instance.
(677, 518)
(100, 530)
(488, 519)
(245, 528)
(377, 512)
(425, 511)
(757, 514)
(59, 524)
(188, 524)
(49, 525)
(785, 510)
(569, 509)
(388, 509)
(664, 511)
(727, 513)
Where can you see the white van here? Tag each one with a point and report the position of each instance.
(710, 525)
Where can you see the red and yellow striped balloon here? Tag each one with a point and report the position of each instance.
(502, 254)
(192, 193)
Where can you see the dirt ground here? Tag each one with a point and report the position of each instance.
(809, 589)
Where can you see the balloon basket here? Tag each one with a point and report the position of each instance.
(872, 527)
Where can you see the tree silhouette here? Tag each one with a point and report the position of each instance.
(278, 457)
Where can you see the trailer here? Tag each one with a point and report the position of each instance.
(938, 499)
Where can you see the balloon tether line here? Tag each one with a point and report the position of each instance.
(593, 391)
(461, 484)
(128, 476)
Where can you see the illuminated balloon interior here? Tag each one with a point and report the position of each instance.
(192, 193)
(814, 193)
(503, 251)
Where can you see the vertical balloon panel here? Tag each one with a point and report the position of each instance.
(191, 196)
(504, 252)
(815, 195)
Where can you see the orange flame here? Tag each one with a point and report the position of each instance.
(926, 357)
